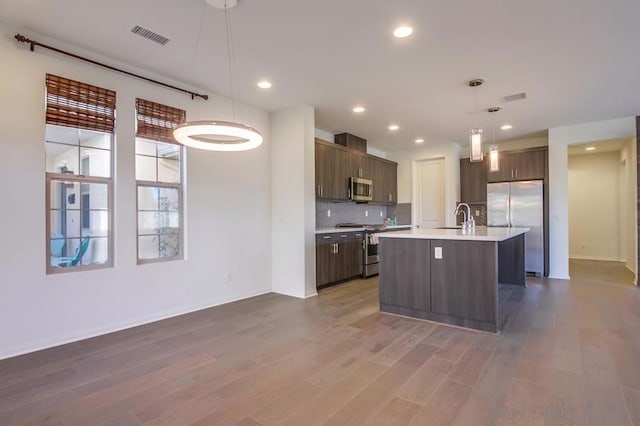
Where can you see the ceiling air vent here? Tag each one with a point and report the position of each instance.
(150, 35)
(516, 97)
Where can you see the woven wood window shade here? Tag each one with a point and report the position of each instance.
(75, 104)
(157, 121)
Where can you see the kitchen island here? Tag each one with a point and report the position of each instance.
(450, 275)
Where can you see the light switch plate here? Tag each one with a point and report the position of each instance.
(437, 252)
(328, 213)
(366, 213)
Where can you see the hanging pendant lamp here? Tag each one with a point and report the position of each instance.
(475, 135)
(494, 163)
(219, 135)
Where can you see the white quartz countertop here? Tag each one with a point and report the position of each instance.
(480, 233)
(336, 230)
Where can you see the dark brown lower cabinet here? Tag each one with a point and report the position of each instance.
(407, 265)
(339, 257)
(464, 281)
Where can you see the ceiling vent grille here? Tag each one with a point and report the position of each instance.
(516, 97)
(150, 35)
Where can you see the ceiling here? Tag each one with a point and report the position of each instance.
(577, 60)
(608, 145)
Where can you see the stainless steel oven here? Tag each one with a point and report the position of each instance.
(371, 258)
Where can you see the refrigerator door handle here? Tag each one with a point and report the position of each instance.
(510, 218)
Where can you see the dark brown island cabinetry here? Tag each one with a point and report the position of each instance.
(339, 257)
(336, 163)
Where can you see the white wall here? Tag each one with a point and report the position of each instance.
(293, 201)
(628, 157)
(559, 139)
(227, 209)
(406, 160)
(594, 206)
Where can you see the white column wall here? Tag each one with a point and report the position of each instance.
(293, 201)
(227, 212)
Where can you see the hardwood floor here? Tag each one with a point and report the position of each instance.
(602, 271)
(569, 354)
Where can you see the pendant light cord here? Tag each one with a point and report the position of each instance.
(195, 52)
(227, 24)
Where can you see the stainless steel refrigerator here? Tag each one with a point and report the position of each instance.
(520, 204)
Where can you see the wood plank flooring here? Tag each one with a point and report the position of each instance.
(569, 354)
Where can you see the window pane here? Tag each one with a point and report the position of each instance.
(145, 147)
(65, 223)
(79, 251)
(148, 222)
(148, 198)
(169, 244)
(148, 247)
(95, 162)
(97, 224)
(145, 168)
(168, 150)
(61, 158)
(99, 196)
(168, 170)
(169, 199)
(61, 134)
(93, 139)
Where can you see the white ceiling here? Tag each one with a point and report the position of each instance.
(577, 60)
(609, 145)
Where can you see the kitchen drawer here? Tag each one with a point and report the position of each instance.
(339, 236)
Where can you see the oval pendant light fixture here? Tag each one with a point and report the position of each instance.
(219, 135)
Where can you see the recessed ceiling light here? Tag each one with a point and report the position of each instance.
(359, 109)
(394, 127)
(264, 84)
(590, 148)
(403, 31)
(507, 127)
(419, 140)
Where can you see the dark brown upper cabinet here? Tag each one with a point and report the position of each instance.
(335, 164)
(473, 181)
(520, 165)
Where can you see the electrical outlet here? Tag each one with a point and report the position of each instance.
(328, 213)
(477, 212)
(437, 252)
(366, 213)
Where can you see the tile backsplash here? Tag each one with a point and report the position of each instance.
(479, 212)
(366, 214)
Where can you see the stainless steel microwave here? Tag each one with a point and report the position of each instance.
(360, 189)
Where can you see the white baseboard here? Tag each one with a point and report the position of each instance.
(603, 258)
(87, 334)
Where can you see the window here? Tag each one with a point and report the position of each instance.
(80, 122)
(159, 182)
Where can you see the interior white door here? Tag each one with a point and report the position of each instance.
(430, 193)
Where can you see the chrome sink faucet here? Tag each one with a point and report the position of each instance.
(468, 223)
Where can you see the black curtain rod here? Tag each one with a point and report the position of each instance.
(33, 43)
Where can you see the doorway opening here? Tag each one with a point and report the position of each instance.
(602, 210)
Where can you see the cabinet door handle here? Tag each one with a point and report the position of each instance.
(364, 245)
(328, 237)
(512, 173)
(318, 189)
(321, 189)
(516, 172)
(337, 248)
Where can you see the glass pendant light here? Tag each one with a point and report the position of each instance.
(494, 163)
(475, 135)
(219, 135)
